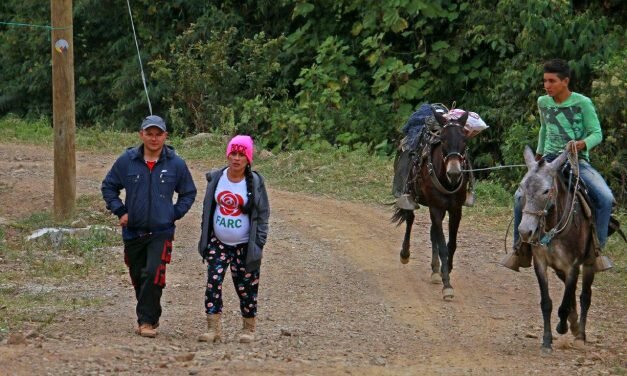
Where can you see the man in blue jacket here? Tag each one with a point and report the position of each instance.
(150, 174)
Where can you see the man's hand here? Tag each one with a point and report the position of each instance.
(538, 157)
(578, 145)
(124, 220)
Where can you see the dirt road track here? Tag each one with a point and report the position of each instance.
(334, 299)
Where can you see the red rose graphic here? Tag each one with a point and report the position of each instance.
(230, 203)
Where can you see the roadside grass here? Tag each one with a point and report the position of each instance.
(43, 278)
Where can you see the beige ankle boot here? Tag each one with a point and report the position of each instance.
(248, 330)
(214, 332)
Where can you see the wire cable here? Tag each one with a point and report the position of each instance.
(141, 67)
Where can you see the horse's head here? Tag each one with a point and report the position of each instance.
(453, 139)
(538, 193)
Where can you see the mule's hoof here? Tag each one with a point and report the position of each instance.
(447, 294)
(562, 328)
(404, 260)
(436, 278)
(574, 330)
(547, 350)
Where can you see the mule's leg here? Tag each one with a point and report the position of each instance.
(567, 301)
(409, 222)
(546, 305)
(438, 242)
(585, 299)
(573, 319)
(454, 218)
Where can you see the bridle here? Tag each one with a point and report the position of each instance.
(461, 156)
(431, 169)
(551, 202)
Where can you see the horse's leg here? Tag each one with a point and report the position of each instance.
(567, 301)
(436, 276)
(438, 242)
(546, 305)
(409, 222)
(585, 299)
(454, 218)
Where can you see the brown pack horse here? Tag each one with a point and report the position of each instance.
(441, 185)
(561, 237)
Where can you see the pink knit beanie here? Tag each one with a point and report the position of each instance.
(243, 144)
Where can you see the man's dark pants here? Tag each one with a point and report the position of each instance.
(146, 258)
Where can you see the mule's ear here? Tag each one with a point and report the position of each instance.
(530, 160)
(558, 162)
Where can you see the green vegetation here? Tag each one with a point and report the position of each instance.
(308, 74)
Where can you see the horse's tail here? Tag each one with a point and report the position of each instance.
(400, 216)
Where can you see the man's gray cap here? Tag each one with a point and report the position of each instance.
(153, 121)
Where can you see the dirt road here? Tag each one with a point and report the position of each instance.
(334, 299)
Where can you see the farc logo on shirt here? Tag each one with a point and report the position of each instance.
(230, 203)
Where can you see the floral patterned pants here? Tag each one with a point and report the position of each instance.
(219, 257)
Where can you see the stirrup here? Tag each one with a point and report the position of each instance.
(511, 261)
(602, 263)
(405, 202)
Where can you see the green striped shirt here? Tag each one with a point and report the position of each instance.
(573, 119)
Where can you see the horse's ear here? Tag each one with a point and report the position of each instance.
(462, 119)
(558, 162)
(439, 117)
(530, 161)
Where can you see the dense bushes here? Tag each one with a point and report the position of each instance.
(310, 74)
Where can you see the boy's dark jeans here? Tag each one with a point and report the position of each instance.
(146, 258)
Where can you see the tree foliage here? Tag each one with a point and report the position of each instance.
(318, 73)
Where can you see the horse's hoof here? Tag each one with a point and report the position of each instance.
(447, 294)
(579, 344)
(574, 330)
(404, 260)
(562, 328)
(436, 278)
(547, 350)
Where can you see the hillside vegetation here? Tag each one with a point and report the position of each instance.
(305, 75)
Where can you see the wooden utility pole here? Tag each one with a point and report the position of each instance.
(63, 109)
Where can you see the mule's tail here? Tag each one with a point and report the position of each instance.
(614, 227)
(400, 216)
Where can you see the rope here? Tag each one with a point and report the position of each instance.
(494, 168)
(141, 67)
(20, 24)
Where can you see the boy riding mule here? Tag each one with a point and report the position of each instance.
(567, 118)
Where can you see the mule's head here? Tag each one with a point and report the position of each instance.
(538, 193)
(453, 139)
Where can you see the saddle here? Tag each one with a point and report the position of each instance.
(586, 203)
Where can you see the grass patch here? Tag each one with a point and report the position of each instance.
(44, 268)
(38, 305)
(36, 132)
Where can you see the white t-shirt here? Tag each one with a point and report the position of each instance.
(230, 225)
